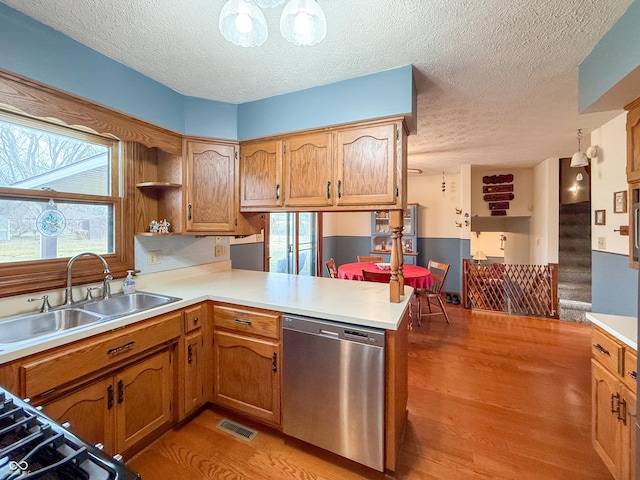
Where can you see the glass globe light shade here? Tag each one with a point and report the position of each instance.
(243, 23)
(303, 22)
(268, 3)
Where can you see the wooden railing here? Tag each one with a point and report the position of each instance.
(519, 289)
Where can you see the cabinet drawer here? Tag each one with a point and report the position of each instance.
(193, 317)
(49, 371)
(607, 351)
(630, 366)
(248, 320)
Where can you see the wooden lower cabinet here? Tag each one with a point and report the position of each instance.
(247, 375)
(613, 413)
(122, 409)
(194, 372)
(89, 412)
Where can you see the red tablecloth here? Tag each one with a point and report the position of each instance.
(417, 277)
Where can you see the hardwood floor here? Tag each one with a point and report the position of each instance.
(490, 397)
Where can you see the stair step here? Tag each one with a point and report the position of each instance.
(575, 243)
(574, 292)
(574, 259)
(573, 311)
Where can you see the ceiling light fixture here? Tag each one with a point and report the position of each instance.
(579, 159)
(242, 22)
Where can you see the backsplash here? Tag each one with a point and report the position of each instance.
(178, 251)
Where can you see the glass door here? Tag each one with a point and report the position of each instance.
(292, 243)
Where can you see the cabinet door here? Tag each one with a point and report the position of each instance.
(261, 174)
(606, 430)
(308, 167)
(193, 372)
(247, 375)
(633, 144)
(366, 166)
(210, 191)
(143, 399)
(90, 411)
(628, 465)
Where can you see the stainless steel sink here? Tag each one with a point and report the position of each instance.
(120, 305)
(28, 327)
(36, 325)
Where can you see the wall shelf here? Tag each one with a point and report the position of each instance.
(158, 185)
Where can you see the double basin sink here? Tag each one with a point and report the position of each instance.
(28, 327)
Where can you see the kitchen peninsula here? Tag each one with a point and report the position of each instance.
(187, 330)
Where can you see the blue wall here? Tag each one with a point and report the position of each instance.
(615, 56)
(614, 285)
(31, 49)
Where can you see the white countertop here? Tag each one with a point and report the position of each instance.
(623, 328)
(358, 303)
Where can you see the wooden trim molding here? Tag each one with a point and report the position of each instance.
(30, 98)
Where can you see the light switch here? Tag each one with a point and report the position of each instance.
(602, 243)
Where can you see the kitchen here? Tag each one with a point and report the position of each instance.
(402, 110)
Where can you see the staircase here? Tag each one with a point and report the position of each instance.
(574, 261)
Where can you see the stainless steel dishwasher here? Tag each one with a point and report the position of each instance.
(333, 387)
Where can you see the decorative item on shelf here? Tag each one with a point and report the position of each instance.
(242, 22)
(159, 226)
(479, 256)
(620, 202)
(600, 217)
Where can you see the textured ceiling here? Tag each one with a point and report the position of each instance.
(496, 79)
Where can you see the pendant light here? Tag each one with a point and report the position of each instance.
(303, 22)
(579, 159)
(243, 23)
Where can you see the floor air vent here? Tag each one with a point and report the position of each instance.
(237, 430)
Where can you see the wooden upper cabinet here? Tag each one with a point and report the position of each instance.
(633, 141)
(366, 166)
(308, 170)
(261, 174)
(210, 187)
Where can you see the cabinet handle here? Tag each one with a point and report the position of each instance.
(243, 322)
(110, 397)
(277, 191)
(274, 362)
(339, 188)
(121, 348)
(120, 391)
(190, 354)
(615, 404)
(189, 212)
(329, 189)
(196, 319)
(622, 411)
(633, 374)
(601, 349)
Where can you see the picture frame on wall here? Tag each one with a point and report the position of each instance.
(600, 217)
(620, 202)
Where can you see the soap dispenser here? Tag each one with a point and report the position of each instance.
(129, 284)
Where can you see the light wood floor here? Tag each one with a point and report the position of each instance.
(490, 397)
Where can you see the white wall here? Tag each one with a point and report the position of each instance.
(546, 210)
(349, 224)
(488, 243)
(608, 175)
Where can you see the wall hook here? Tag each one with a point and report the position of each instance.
(459, 224)
(458, 211)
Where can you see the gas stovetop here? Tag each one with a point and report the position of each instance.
(32, 446)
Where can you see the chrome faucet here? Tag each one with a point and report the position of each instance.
(106, 291)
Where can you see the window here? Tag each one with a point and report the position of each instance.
(59, 196)
(293, 243)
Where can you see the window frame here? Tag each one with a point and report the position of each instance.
(41, 275)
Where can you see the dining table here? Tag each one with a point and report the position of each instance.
(414, 275)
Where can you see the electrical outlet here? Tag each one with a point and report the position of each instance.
(219, 250)
(218, 240)
(602, 243)
(154, 257)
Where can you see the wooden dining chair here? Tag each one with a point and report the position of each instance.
(432, 294)
(331, 268)
(363, 258)
(380, 277)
